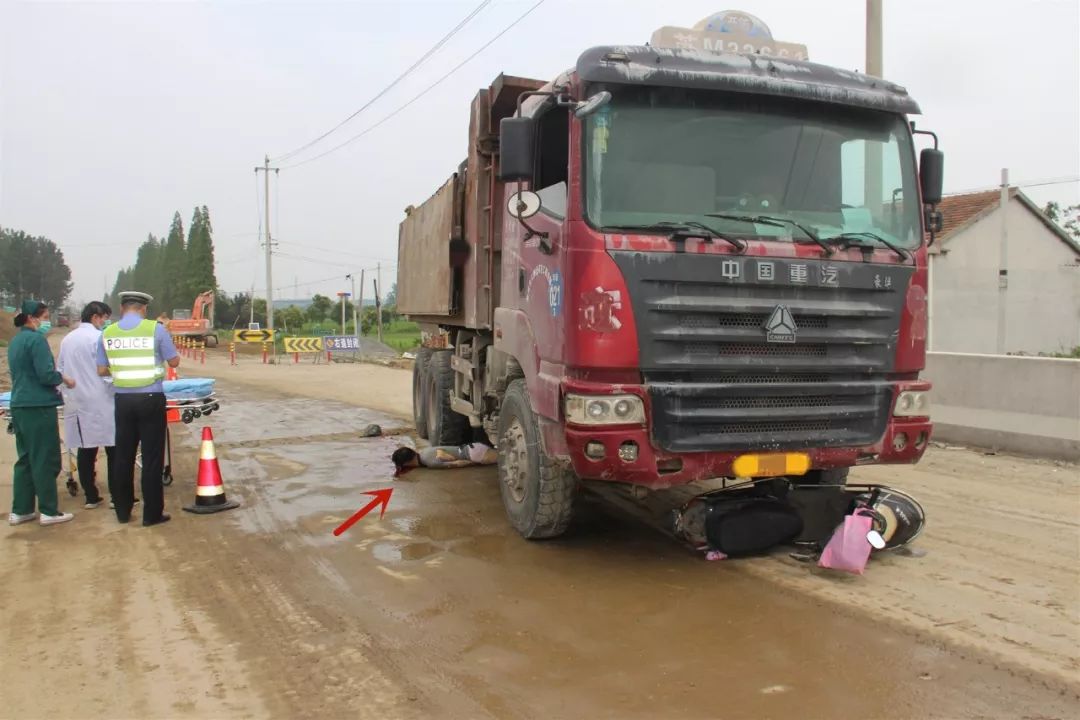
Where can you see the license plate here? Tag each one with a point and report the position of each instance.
(772, 465)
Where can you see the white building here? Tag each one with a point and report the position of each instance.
(1042, 279)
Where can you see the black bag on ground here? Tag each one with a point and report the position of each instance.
(747, 526)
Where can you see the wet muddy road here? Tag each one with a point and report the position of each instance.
(440, 610)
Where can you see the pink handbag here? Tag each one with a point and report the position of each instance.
(848, 548)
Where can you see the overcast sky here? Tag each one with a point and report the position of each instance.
(115, 115)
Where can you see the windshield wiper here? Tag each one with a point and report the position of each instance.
(851, 240)
(685, 229)
(775, 221)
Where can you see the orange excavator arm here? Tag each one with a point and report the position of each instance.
(201, 301)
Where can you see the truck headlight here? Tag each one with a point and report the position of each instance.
(605, 409)
(912, 403)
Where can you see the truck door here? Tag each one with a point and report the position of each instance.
(536, 267)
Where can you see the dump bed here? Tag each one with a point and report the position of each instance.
(424, 276)
(448, 247)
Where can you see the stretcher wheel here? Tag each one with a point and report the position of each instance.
(72, 486)
(207, 412)
(187, 417)
(216, 407)
(196, 413)
(166, 478)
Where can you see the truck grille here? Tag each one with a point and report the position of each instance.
(715, 380)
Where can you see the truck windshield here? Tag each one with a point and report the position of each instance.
(663, 154)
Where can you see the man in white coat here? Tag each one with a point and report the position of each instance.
(89, 421)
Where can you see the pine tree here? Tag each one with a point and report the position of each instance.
(147, 276)
(174, 269)
(200, 254)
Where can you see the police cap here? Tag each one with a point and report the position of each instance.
(129, 297)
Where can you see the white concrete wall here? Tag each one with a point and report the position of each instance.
(1016, 404)
(1043, 297)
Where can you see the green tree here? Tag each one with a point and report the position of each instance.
(147, 274)
(200, 275)
(174, 269)
(368, 321)
(290, 319)
(319, 309)
(32, 267)
(1068, 217)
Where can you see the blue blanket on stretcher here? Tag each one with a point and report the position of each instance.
(189, 388)
(186, 389)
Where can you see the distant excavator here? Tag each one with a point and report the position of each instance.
(195, 323)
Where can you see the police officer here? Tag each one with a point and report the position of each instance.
(135, 351)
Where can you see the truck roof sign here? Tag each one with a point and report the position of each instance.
(729, 31)
(699, 69)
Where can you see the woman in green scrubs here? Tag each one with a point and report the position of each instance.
(34, 399)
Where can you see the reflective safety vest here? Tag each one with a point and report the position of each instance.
(131, 355)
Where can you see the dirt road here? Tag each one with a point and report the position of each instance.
(438, 610)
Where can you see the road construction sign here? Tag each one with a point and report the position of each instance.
(342, 343)
(303, 344)
(253, 336)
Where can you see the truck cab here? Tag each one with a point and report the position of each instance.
(677, 264)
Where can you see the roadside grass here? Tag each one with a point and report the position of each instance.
(401, 335)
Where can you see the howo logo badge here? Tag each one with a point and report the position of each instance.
(780, 327)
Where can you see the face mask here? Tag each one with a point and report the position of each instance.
(44, 327)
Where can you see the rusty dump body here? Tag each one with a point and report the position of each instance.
(597, 299)
(450, 245)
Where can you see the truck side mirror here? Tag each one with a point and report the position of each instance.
(588, 107)
(931, 175)
(516, 135)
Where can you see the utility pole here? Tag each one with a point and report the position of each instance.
(265, 169)
(873, 192)
(343, 299)
(1003, 265)
(356, 302)
(360, 303)
(378, 302)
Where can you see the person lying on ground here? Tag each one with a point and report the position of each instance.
(406, 458)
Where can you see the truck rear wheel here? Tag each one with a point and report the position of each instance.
(537, 491)
(211, 341)
(444, 426)
(419, 390)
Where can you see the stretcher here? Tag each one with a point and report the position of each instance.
(185, 400)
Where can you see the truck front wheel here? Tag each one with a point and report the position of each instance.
(537, 491)
(211, 341)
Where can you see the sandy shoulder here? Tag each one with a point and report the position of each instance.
(93, 627)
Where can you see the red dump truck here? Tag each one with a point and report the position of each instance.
(698, 258)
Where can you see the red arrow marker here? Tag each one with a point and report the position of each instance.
(382, 497)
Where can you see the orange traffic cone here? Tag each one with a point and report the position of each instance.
(209, 490)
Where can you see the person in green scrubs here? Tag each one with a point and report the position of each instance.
(34, 399)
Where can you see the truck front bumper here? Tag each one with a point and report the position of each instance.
(628, 453)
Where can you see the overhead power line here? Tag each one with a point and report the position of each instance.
(333, 251)
(1033, 183)
(423, 92)
(1041, 183)
(435, 48)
